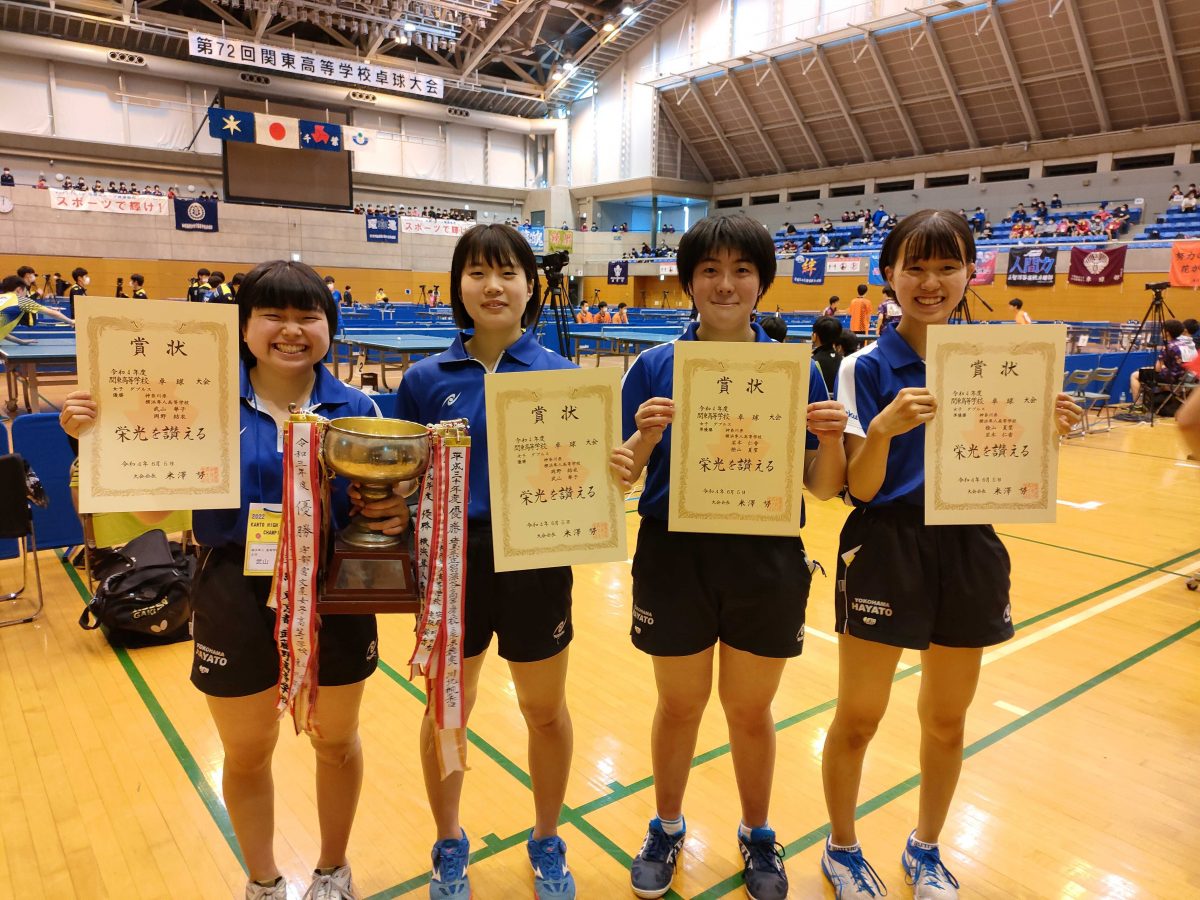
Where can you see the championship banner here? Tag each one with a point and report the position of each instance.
(126, 204)
(618, 272)
(844, 265)
(1185, 264)
(1031, 266)
(985, 267)
(383, 230)
(196, 215)
(444, 227)
(874, 273)
(312, 65)
(535, 236)
(559, 239)
(808, 269)
(1097, 267)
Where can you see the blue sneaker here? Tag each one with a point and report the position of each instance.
(552, 880)
(851, 875)
(924, 870)
(450, 858)
(653, 868)
(763, 872)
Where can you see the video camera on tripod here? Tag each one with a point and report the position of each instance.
(552, 265)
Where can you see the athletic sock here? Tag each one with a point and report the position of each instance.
(921, 844)
(671, 826)
(852, 848)
(274, 881)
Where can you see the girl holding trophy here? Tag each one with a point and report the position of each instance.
(286, 317)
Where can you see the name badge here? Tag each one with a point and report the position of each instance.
(262, 539)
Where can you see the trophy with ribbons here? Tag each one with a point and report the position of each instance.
(358, 570)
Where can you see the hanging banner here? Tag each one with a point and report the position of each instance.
(1097, 267)
(808, 269)
(126, 204)
(1031, 266)
(196, 215)
(383, 229)
(559, 239)
(535, 236)
(445, 227)
(320, 136)
(618, 272)
(668, 268)
(277, 131)
(874, 273)
(359, 138)
(312, 65)
(844, 265)
(1185, 264)
(230, 125)
(985, 267)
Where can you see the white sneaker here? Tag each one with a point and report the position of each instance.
(928, 875)
(276, 891)
(851, 875)
(337, 885)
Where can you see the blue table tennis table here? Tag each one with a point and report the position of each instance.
(49, 361)
(395, 350)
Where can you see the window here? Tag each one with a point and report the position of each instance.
(803, 195)
(848, 190)
(1005, 175)
(1151, 161)
(1053, 170)
(729, 203)
(763, 199)
(885, 187)
(948, 180)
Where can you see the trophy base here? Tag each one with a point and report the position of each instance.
(360, 581)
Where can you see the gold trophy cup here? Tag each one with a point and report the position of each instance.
(368, 571)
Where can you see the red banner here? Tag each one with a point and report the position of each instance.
(1097, 267)
(1185, 264)
(985, 267)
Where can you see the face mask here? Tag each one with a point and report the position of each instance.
(87, 279)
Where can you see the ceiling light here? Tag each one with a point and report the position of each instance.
(609, 26)
(568, 66)
(627, 11)
(409, 26)
(404, 39)
(556, 75)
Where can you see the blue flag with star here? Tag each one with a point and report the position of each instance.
(231, 125)
(320, 136)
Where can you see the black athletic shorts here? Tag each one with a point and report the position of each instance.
(529, 611)
(691, 590)
(233, 631)
(908, 584)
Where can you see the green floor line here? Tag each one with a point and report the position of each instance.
(208, 794)
(734, 882)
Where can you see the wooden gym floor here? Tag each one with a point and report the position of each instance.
(1082, 776)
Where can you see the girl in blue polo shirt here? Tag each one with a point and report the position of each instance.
(286, 317)
(693, 593)
(495, 297)
(941, 589)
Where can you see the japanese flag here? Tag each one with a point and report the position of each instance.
(359, 138)
(277, 131)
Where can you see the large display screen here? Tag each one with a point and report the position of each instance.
(255, 173)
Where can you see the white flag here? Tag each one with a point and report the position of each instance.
(359, 138)
(277, 131)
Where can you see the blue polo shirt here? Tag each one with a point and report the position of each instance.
(653, 375)
(867, 382)
(262, 458)
(450, 386)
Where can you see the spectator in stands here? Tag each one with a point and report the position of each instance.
(41, 183)
(789, 228)
(615, 228)
(646, 251)
(823, 240)
(977, 219)
(331, 286)
(816, 219)
(987, 231)
(621, 316)
(832, 308)
(138, 283)
(1055, 202)
(602, 316)
(1176, 194)
(807, 246)
(1063, 227)
(81, 278)
(6, 178)
(1176, 353)
(1083, 226)
(775, 327)
(1019, 315)
(1040, 212)
(880, 217)
(1019, 214)
(860, 312)
(826, 333)
(624, 227)
(198, 286)
(1188, 203)
(81, 184)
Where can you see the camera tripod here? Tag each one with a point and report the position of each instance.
(1156, 316)
(962, 312)
(552, 268)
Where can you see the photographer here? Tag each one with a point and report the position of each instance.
(1176, 353)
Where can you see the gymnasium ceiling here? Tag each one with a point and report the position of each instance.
(515, 57)
(980, 74)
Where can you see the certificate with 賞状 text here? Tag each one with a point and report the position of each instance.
(737, 445)
(165, 380)
(991, 451)
(554, 499)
